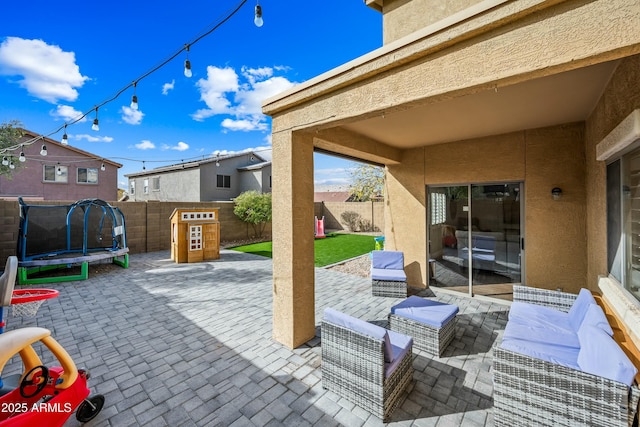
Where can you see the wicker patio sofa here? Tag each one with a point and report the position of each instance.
(365, 363)
(531, 388)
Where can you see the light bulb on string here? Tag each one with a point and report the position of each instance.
(11, 165)
(5, 161)
(59, 170)
(258, 19)
(102, 167)
(134, 98)
(187, 63)
(65, 138)
(143, 166)
(43, 150)
(95, 125)
(22, 158)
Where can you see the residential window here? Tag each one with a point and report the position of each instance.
(132, 188)
(87, 175)
(155, 183)
(224, 181)
(145, 186)
(55, 173)
(623, 221)
(438, 208)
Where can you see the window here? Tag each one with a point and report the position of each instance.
(145, 186)
(132, 187)
(438, 208)
(55, 173)
(224, 181)
(87, 175)
(623, 221)
(155, 183)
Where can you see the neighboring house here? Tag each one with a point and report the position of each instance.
(331, 196)
(213, 179)
(480, 110)
(64, 173)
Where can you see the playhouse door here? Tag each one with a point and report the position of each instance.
(195, 252)
(211, 241)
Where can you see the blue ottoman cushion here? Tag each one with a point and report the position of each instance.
(430, 312)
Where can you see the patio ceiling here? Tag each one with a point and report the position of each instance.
(560, 98)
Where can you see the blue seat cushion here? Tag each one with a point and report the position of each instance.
(387, 259)
(579, 308)
(358, 325)
(557, 354)
(430, 312)
(600, 355)
(400, 345)
(552, 334)
(386, 274)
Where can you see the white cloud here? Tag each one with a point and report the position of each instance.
(181, 146)
(168, 86)
(46, 71)
(131, 116)
(224, 94)
(91, 138)
(245, 125)
(67, 113)
(145, 145)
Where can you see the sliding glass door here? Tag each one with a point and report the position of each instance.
(475, 238)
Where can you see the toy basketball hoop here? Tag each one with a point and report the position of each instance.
(26, 302)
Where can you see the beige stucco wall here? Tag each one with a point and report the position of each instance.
(403, 17)
(554, 231)
(620, 98)
(405, 220)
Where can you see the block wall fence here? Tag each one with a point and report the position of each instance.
(148, 224)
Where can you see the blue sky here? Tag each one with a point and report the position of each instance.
(57, 62)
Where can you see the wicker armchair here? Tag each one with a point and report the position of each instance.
(354, 366)
(388, 278)
(532, 391)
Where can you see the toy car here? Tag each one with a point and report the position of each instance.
(44, 396)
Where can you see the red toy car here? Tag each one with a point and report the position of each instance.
(45, 396)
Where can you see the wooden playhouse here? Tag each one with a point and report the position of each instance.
(195, 235)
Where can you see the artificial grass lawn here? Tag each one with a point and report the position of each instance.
(334, 248)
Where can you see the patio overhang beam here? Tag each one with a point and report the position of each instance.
(355, 146)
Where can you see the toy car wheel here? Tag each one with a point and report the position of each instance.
(34, 381)
(89, 408)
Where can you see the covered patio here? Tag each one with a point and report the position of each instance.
(484, 93)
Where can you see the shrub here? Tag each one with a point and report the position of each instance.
(254, 208)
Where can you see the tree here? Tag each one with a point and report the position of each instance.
(367, 182)
(254, 208)
(10, 134)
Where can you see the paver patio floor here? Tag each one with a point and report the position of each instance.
(190, 345)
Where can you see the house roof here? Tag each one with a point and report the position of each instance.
(331, 196)
(30, 135)
(264, 155)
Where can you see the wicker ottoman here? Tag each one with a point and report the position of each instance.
(431, 323)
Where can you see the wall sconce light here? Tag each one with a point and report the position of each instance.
(556, 192)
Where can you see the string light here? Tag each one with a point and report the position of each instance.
(95, 125)
(258, 19)
(65, 138)
(43, 150)
(102, 167)
(59, 169)
(22, 158)
(5, 161)
(187, 64)
(134, 98)
(11, 165)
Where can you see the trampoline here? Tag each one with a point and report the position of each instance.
(53, 237)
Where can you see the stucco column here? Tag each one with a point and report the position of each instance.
(406, 216)
(292, 225)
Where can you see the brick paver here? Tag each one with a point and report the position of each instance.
(190, 344)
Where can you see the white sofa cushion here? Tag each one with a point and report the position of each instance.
(579, 308)
(557, 354)
(552, 334)
(600, 355)
(595, 317)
